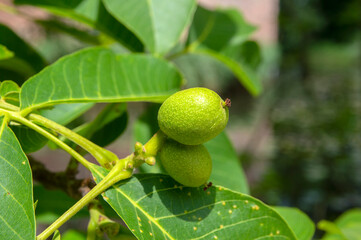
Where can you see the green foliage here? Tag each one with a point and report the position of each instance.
(184, 212)
(227, 170)
(5, 53)
(221, 34)
(135, 43)
(111, 78)
(153, 20)
(300, 223)
(16, 193)
(346, 227)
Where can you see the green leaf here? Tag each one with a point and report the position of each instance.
(99, 75)
(346, 227)
(300, 223)
(158, 23)
(30, 140)
(73, 235)
(52, 204)
(244, 74)
(92, 13)
(7, 87)
(154, 207)
(9, 92)
(218, 29)
(249, 53)
(220, 34)
(17, 218)
(227, 170)
(5, 53)
(12, 98)
(56, 235)
(26, 61)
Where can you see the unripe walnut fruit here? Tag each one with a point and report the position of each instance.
(188, 165)
(193, 116)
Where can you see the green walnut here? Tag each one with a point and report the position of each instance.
(188, 165)
(193, 116)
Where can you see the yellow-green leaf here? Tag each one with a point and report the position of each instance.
(154, 206)
(100, 75)
(17, 217)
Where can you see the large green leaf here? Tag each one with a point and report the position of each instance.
(227, 170)
(99, 75)
(154, 206)
(17, 218)
(92, 13)
(5, 53)
(220, 34)
(158, 23)
(300, 223)
(346, 227)
(26, 60)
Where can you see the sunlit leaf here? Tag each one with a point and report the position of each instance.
(5, 53)
(155, 207)
(7, 87)
(73, 235)
(300, 223)
(17, 218)
(99, 75)
(159, 23)
(346, 227)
